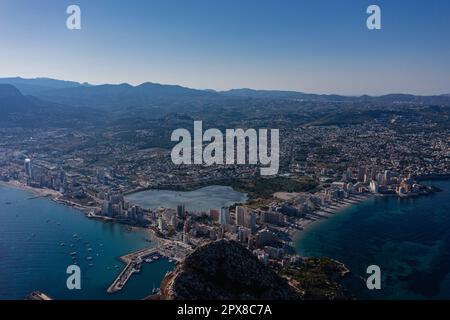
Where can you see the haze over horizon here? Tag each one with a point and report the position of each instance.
(203, 89)
(308, 46)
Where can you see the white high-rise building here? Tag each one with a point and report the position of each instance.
(161, 225)
(27, 165)
(373, 186)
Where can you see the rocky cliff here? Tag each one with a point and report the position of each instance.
(224, 270)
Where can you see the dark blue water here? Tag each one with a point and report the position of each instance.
(31, 257)
(408, 238)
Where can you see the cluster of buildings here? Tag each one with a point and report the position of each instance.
(263, 231)
(383, 156)
(376, 181)
(115, 206)
(409, 148)
(40, 174)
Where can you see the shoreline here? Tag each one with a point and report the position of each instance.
(342, 207)
(49, 194)
(321, 214)
(53, 195)
(335, 208)
(44, 193)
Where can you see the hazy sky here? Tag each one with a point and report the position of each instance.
(320, 46)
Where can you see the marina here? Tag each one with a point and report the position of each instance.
(133, 261)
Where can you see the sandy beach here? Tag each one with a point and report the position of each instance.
(52, 195)
(327, 211)
(38, 192)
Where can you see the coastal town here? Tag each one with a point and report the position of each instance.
(323, 172)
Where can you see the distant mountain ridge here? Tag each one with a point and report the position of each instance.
(125, 95)
(12, 100)
(37, 85)
(285, 95)
(297, 95)
(153, 94)
(18, 109)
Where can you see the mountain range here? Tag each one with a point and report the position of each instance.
(38, 85)
(147, 94)
(41, 98)
(17, 109)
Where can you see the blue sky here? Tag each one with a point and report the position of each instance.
(320, 46)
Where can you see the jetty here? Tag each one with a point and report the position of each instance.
(171, 250)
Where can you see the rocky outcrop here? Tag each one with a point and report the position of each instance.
(224, 270)
(37, 295)
(318, 279)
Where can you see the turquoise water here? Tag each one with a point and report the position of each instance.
(409, 239)
(199, 200)
(31, 257)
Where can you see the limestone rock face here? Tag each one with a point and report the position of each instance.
(224, 270)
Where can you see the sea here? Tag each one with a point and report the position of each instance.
(37, 237)
(408, 238)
